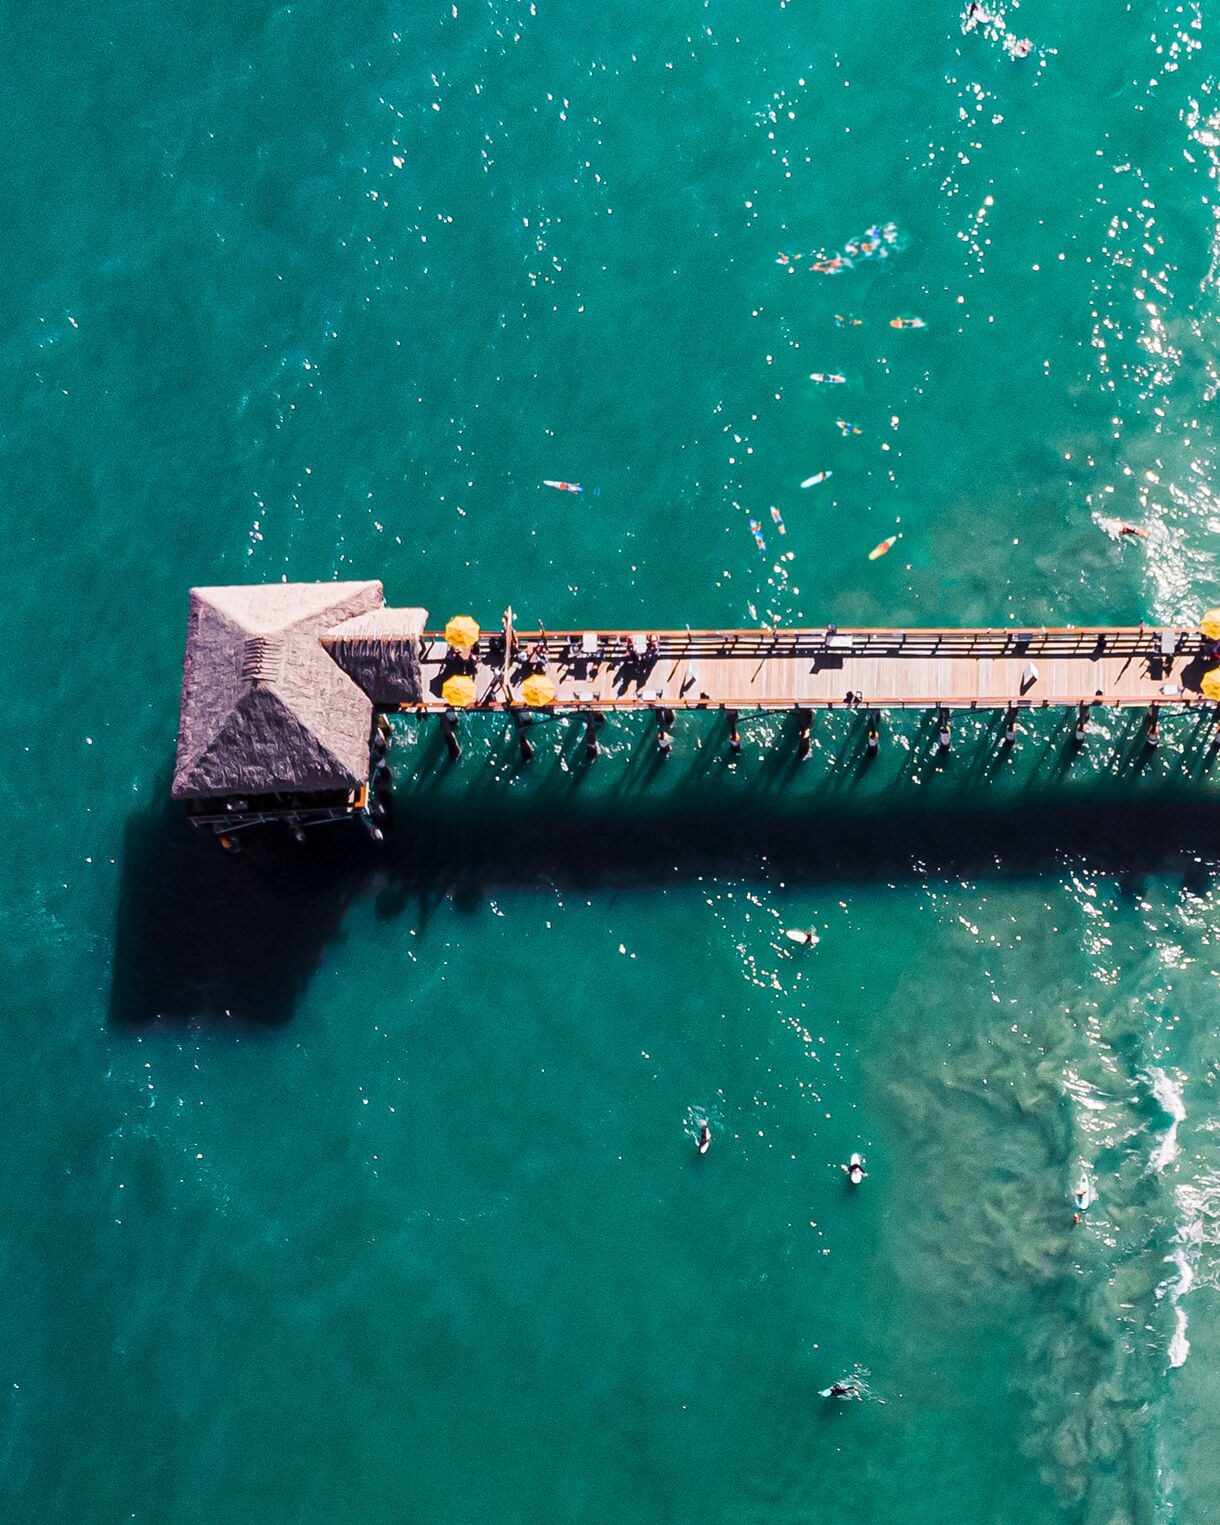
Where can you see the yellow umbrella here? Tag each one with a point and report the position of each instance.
(1210, 687)
(458, 690)
(1209, 625)
(461, 632)
(538, 689)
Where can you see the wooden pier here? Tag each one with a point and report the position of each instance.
(826, 668)
(286, 686)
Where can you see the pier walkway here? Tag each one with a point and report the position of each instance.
(604, 670)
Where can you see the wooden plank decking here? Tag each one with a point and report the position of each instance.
(819, 668)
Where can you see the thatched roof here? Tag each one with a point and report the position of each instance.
(380, 652)
(264, 708)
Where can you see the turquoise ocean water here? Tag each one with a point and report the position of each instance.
(355, 1186)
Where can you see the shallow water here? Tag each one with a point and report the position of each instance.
(347, 1186)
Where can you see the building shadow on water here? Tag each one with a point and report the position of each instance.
(208, 938)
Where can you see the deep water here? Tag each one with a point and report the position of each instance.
(348, 1184)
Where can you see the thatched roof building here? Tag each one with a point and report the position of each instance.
(266, 708)
(380, 652)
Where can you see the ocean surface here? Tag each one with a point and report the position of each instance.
(346, 1184)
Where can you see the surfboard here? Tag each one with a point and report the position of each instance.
(886, 545)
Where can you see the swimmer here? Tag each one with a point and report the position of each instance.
(854, 1169)
(705, 1138)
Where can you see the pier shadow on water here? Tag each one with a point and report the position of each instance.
(204, 937)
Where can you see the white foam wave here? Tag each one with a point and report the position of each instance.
(1195, 1257)
(1179, 1346)
(1183, 1260)
(1169, 1093)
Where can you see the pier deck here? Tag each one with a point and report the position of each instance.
(819, 668)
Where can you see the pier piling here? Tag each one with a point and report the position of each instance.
(873, 742)
(449, 724)
(524, 744)
(804, 720)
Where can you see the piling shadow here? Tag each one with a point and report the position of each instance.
(208, 939)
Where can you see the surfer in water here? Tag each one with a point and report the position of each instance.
(806, 937)
(855, 1170)
(705, 1138)
(841, 1389)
